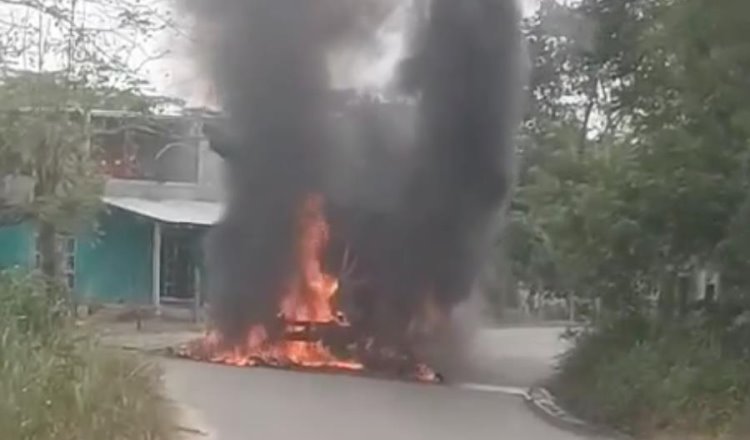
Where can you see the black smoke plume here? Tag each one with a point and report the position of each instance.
(413, 191)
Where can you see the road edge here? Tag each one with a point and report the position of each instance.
(190, 424)
(544, 404)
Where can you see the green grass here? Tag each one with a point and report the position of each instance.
(59, 384)
(648, 379)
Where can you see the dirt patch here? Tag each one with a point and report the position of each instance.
(140, 329)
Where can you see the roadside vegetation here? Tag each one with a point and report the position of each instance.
(690, 379)
(58, 63)
(58, 384)
(633, 199)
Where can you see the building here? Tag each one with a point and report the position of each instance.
(163, 192)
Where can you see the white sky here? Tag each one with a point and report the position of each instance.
(174, 71)
(178, 74)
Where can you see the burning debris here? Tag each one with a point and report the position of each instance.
(308, 271)
(309, 327)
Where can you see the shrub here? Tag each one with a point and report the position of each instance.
(642, 377)
(58, 384)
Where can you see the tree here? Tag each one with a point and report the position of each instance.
(635, 150)
(58, 61)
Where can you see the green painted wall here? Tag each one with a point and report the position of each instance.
(114, 261)
(16, 245)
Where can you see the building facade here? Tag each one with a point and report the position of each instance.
(163, 192)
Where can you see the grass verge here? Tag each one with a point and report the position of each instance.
(689, 379)
(59, 384)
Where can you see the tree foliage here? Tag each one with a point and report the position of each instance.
(59, 60)
(634, 153)
(633, 181)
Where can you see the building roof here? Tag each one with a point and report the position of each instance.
(190, 212)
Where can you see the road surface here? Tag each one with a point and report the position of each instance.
(242, 404)
(516, 356)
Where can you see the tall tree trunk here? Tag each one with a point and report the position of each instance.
(667, 296)
(46, 183)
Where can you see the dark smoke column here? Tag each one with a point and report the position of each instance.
(267, 58)
(269, 62)
(467, 72)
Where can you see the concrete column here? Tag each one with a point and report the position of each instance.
(156, 268)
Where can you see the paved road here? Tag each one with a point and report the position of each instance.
(519, 357)
(242, 404)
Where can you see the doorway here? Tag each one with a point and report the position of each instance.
(178, 265)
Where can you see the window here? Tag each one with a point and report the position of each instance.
(155, 149)
(66, 248)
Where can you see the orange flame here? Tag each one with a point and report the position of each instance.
(308, 298)
(309, 295)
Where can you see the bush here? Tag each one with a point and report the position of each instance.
(643, 378)
(58, 384)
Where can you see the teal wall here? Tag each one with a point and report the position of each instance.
(16, 245)
(114, 260)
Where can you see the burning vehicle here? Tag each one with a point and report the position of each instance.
(346, 246)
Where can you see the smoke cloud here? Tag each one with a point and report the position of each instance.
(413, 189)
